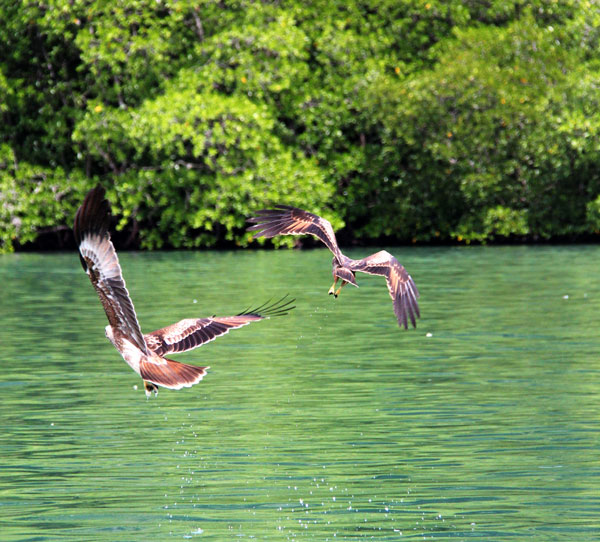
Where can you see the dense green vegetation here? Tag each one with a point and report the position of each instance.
(404, 120)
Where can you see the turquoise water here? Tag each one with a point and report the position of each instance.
(327, 424)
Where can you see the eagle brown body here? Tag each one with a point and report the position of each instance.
(286, 220)
(145, 354)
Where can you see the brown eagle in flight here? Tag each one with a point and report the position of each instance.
(145, 354)
(286, 220)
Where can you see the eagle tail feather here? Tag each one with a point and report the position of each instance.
(172, 374)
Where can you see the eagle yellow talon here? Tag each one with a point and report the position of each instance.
(149, 387)
(337, 292)
(332, 289)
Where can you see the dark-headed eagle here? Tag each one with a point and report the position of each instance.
(286, 220)
(145, 354)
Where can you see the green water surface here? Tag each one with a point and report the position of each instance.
(328, 424)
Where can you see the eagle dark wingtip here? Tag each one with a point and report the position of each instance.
(268, 222)
(408, 309)
(93, 215)
(280, 307)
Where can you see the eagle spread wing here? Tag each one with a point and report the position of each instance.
(286, 220)
(99, 260)
(194, 332)
(403, 290)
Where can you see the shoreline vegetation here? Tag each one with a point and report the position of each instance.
(433, 123)
(62, 241)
